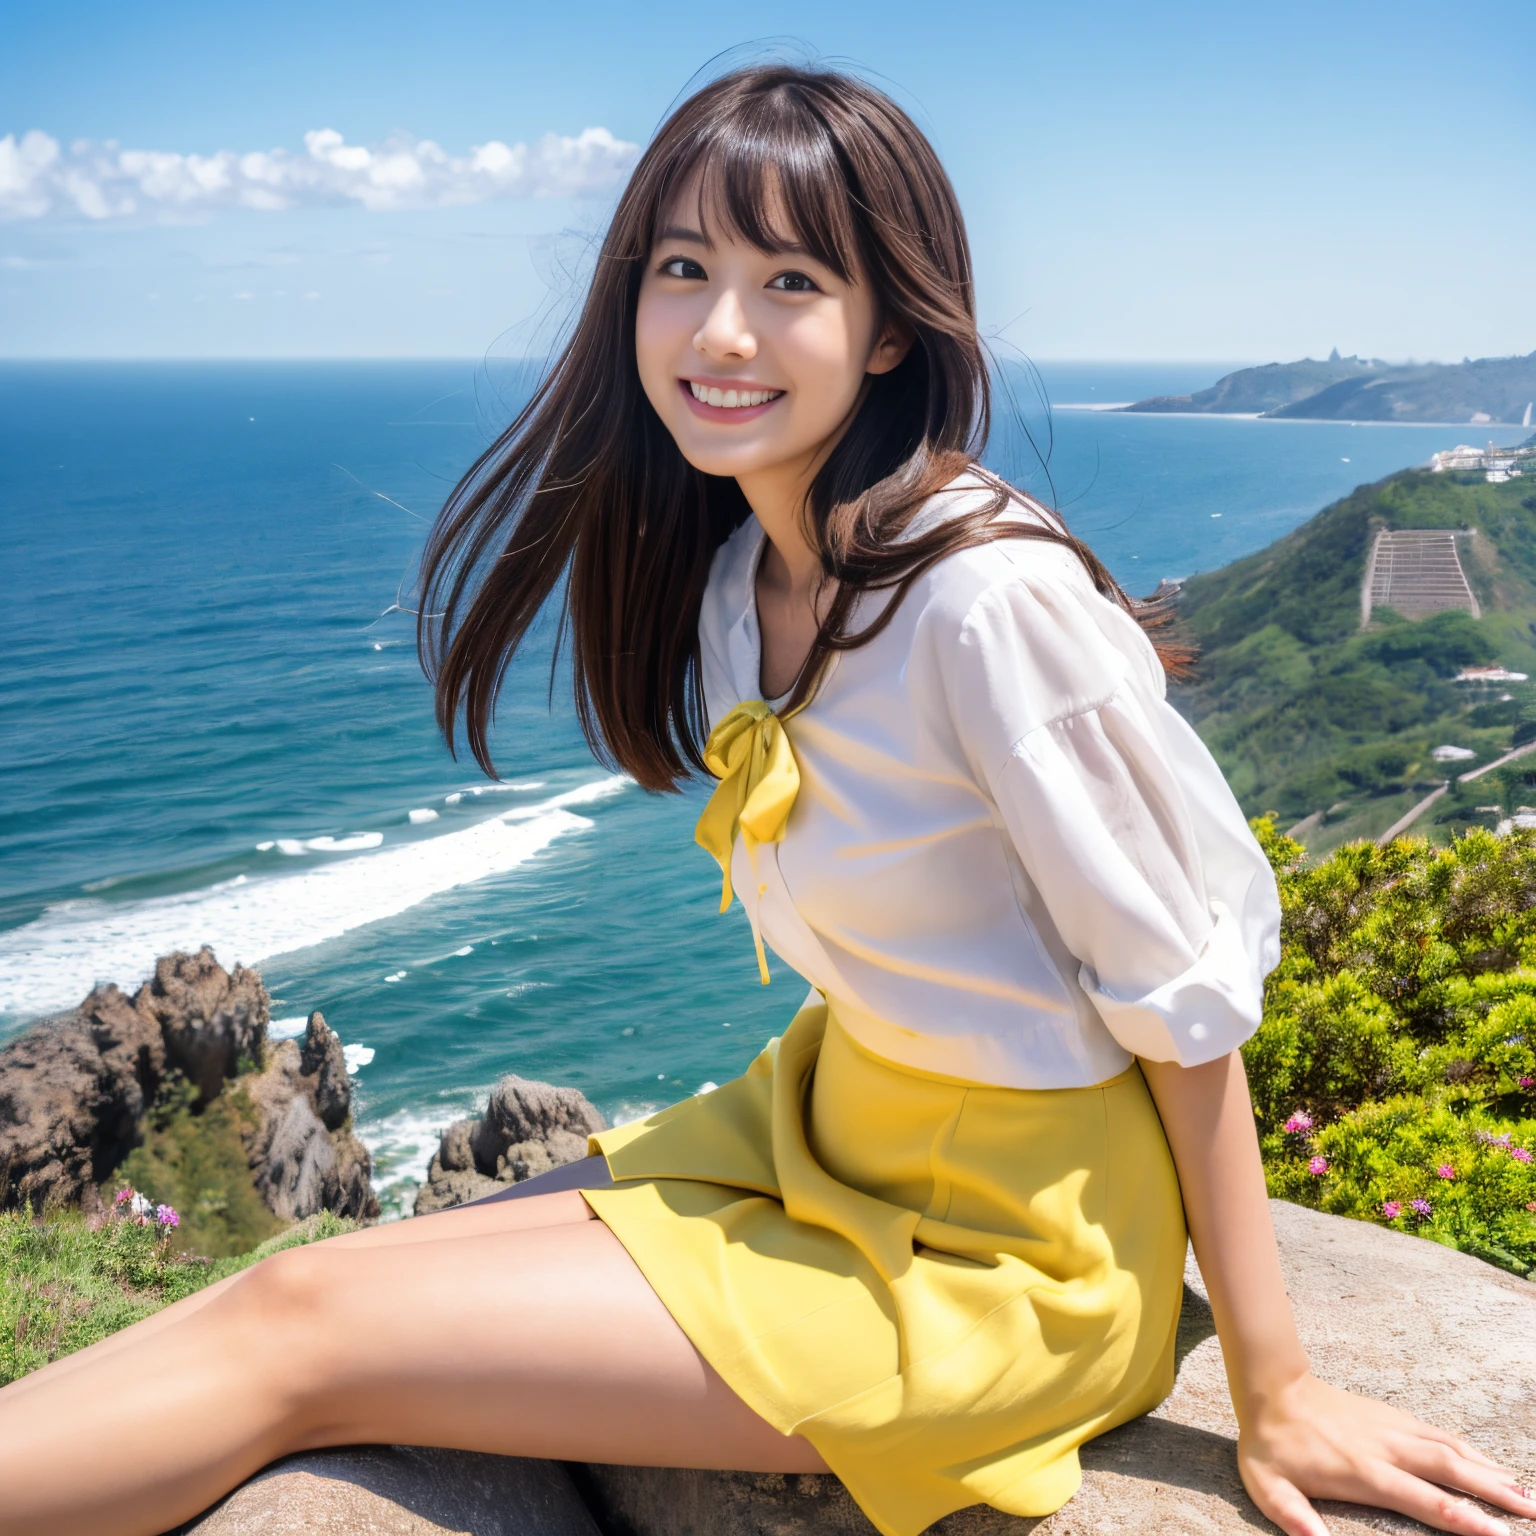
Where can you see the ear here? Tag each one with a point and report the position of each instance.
(894, 342)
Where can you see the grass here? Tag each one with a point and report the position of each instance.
(65, 1284)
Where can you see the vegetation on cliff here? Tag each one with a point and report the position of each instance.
(1394, 1073)
(196, 1162)
(68, 1282)
(1307, 713)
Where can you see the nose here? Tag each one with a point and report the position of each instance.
(725, 332)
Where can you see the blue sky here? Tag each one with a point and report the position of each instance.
(1178, 181)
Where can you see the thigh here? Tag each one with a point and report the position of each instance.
(536, 1341)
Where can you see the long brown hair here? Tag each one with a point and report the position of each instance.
(588, 484)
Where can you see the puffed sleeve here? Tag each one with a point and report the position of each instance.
(1121, 819)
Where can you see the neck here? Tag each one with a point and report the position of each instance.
(777, 497)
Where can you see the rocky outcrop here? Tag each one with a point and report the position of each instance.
(301, 1148)
(74, 1089)
(527, 1128)
(1435, 1332)
(400, 1490)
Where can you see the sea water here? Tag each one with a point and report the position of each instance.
(213, 727)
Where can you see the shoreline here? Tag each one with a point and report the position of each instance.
(1310, 421)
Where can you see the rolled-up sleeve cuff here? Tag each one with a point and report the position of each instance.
(1202, 1014)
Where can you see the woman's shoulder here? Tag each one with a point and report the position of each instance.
(1021, 618)
(1035, 560)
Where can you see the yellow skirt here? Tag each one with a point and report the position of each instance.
(946, 1288)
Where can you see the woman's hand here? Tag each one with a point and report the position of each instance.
(1312, 1441)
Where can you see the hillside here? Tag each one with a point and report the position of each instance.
(1312, 718)
(1257, 391)
(1485, 391)
(1495, 389)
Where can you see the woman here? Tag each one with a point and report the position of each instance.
(933, 1239)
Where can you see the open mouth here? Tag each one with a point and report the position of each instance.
(719, 400)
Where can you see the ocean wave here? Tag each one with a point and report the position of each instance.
(50, 963)
(402, 1146)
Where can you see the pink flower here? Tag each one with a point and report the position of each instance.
(1299, 1122)
(1520, 1154)
(122, 1196)
(166, 1216)
(1446, 1171)
(1528, 1082)
(1391, 1209)
(1421, 1207)
(1318, 1166)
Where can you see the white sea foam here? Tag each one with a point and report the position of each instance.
(357, 1056)
(352, 844)
(628, 1112)
(288, 1029)
(51, 962)
(421, 815)
(402, 1146)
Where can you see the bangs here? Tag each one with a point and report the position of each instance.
(770, 174)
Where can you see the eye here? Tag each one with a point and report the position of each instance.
(681, 266)
(794, 282)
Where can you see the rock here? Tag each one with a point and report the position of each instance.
(74, 1091)
(74, 1088)
(301, 1148)
(211, 1020)
(1437, 1333)
(400, 1490)
(527, 1128)
(445, 1189)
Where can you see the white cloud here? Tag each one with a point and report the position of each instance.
(41, 179)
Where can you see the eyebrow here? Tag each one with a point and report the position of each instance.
(693, 237)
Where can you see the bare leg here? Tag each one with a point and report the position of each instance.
(536, 1340)
(547, 1200)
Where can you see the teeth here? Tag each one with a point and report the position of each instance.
(732, 399)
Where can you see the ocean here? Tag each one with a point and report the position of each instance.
(213, 728)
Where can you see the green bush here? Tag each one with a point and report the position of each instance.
(1394, 1074)
(192, 1157)
(67, 1282)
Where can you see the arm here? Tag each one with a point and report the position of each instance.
(1298, 1439)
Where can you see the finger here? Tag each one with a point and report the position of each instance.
(1283, 1502)
(1465, 1447)
(1442, 1508)
(1486, 1479)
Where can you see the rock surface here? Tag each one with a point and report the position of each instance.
(399, 1490)
(74, 1088)
(302, 1151)
(527, 1128)
(74, 1091)
(1437, 1333)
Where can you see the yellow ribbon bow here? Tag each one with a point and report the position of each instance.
(749, 752)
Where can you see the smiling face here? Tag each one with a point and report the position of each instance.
(754, 360)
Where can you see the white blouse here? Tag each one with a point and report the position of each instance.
(1010, 861)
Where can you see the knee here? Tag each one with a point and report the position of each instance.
(285, 1307)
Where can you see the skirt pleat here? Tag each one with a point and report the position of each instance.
(945, 1287)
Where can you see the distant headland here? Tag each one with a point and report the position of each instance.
(1485, 391)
